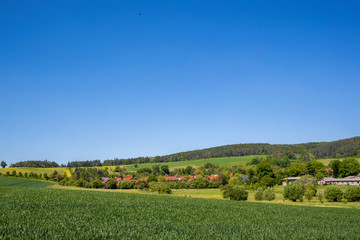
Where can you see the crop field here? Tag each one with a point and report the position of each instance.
(49, 171)
(37, 212)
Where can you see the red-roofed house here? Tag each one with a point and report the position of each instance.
(330, 171)
(172, 178)
(212, 177)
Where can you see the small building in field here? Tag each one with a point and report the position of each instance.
(289, 179)
(350, 180)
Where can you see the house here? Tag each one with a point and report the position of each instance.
(289, 179)
(245, 177)
(212, 177)
(329, 171)
(172, 178)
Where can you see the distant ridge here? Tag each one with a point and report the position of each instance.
(344, 147)
(341, 148)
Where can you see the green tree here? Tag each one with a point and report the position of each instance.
(309, 192)
(160, 187)
(259, 194)
(155, 169)
(315, 167)
(236, 192)
(97, 183)
(319, 176)
(336, 166)
(333, 193)
(151, 178)
(297, 169)
(112, 184)
(3, 164)
(263, 169)
(293, 192)
(267, 181)
(165, 169)
(352, 193)
(269, 194)
(46, 176)
(348, 167)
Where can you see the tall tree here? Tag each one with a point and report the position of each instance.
(3, 164)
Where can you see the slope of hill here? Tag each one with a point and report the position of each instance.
(343, 148)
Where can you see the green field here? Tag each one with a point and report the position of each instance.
(326, 161)
(224, 162)
(37, 212)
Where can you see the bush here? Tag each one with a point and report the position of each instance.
(199, 182)
(151, 178)
(140, 185)
(259, 194)
(79, 183)
(237, 193)
(310, 192)
(352, 193)
(293, 192)
(269, 194)
(46, 176)
(97, 184)
(126, 185)
(112, 184)
(160, 187)
(333, 193)
(267, 181)
(307, 180)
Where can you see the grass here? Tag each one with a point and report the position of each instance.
(37, 212)
(326, 161)
(224, 162)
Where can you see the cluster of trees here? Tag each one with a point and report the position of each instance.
(304, 187)
(94, 163)
(55, 176)
(36, 164)
(344, 168)
(305, 152)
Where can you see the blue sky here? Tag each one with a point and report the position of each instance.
(83, 80)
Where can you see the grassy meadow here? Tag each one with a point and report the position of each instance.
(223, 162)
(39, 212)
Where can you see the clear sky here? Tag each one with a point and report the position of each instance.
(84, 80)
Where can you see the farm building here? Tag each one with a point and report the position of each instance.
(350, 180)
(289, 179)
